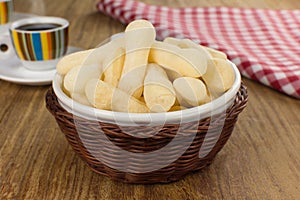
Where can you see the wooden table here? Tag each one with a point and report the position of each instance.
(260, 161)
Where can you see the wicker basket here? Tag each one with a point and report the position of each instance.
(90, 141)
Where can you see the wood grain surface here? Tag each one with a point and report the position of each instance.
(260, 161)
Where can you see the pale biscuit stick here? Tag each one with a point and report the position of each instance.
(113, 65)
(187, 43)
(88, 57)
(186, 62)
(81, 98)
(72, 60)
(105, 96)
(76, 79)
(139, 37)
(159, 93)
(191, 90)
(219, 76)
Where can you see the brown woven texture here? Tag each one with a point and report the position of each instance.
(92, 141)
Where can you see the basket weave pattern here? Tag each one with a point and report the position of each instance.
(95, 138)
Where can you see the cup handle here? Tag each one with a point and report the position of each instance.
(6, 48)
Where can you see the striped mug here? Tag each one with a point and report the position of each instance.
(40, 42)
(6, 12)
(6, 8)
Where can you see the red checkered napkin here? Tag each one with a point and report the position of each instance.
(264, 44)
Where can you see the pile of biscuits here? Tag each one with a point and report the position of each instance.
(135, 73)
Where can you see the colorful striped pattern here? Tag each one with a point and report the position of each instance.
(40, 46)
(6, 8)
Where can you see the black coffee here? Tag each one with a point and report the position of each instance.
(38, 27)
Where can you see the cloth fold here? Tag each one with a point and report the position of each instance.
(264, 44)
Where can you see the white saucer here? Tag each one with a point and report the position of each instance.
(13, 71)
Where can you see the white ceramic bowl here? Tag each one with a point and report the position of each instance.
(216, 106)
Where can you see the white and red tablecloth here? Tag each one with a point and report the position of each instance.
(264, 44)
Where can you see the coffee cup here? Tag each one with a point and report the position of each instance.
(6, 11)
(39, 42)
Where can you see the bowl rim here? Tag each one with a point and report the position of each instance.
(216, 106)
